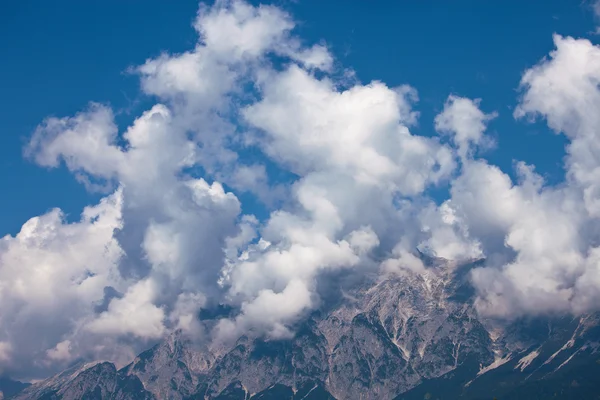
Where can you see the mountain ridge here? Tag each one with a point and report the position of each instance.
(406, 336)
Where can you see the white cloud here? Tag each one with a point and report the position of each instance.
(447, 234)
(134, 313)
(402, 262)
(145, 259)
(465, 122)
(354, 154)
(363, 240)
(185, 313)
(539, 229)
(62, 351)
(51, 275)
(164, 222)
(542, 239)
(269, 311)
(309, 125)
(564, 91)
(81, 141)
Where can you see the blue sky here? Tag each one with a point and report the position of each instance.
(58, 56)
(249, 151)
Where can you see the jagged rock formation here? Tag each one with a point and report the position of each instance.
(99, 380)
(408, 336)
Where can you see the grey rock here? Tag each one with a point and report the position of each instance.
(90, 382)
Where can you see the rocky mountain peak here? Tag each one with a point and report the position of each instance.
(403, 336)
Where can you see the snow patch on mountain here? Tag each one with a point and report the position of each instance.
(526, 361)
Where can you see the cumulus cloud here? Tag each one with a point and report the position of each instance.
(170, 237)
(548, 230)
(564, 91)
(361, 132)
(135, 313)
(354, 154)
(51, 273)
(466, 123)
(540, 241)
(62, 351)
(150, 255)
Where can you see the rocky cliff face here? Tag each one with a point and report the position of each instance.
(412, 336)
(99, 380)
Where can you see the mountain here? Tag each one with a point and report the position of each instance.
(405, 337)
(9, 387)
(98, 380)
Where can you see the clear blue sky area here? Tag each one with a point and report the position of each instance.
(56, 56)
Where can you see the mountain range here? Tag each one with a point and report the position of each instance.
(407, 336)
